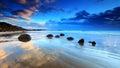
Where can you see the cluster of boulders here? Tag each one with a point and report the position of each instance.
(80, 42)
(50, 36)
(27, 37)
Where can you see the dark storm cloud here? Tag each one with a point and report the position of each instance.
(80, 15)
(45, 9)
(4, 7)
(109, 17)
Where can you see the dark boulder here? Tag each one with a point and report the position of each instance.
(81, 42)
(93, 43)
(49, 36)
(24, 38)
(62, 34)
(57, 36)
(70, 38)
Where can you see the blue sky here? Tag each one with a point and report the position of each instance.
(53, 11)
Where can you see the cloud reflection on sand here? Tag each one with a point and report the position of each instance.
(59, 53)
(3, 54)
(32, 58)
(27, 46)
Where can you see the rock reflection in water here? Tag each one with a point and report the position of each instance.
(56, 53)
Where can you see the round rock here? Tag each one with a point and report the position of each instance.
(81, 42)
(70, 38)
(93, 43)
(62, 34)
(24, 38)
(57, 36)
(49, 36)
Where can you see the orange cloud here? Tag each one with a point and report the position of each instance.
(23, 13)
(49, 1)
(1, 14)
(22, 1)
(37, 1)
(35, 7)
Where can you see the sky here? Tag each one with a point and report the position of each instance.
(61, 13)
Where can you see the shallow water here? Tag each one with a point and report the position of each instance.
(42, 52)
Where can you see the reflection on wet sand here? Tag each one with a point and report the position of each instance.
(32, 58)
(6, 41)
(55, 53)
(27, 46)
(3, 54)
(11, 34)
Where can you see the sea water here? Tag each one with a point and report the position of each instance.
(42, 52)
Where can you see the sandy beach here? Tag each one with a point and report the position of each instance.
(57, 52)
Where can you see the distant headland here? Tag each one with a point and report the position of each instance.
(9, 27)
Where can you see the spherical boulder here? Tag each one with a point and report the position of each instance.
(62, 34)
(81, 42)
(70, 38)
(57, 36)
(24, 38)
(93, 43)
(49, 36)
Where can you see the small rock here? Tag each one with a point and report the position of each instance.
(57, 36)
(49, 36)
(93, 43)
(70, 38)
(24, 38)
(81, 42)
(62, 34)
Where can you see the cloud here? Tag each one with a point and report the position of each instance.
(24, 9)
(42, 23)
(109, 17)
(23, 13)
(4, 7)
(21, 1)
(9, 18)
(37, 5)
(49, 1)
(45, 9)
(79, 15)
(1, 14)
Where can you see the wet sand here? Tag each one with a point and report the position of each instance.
(54, 53)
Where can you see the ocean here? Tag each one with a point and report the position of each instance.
(42, 52)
